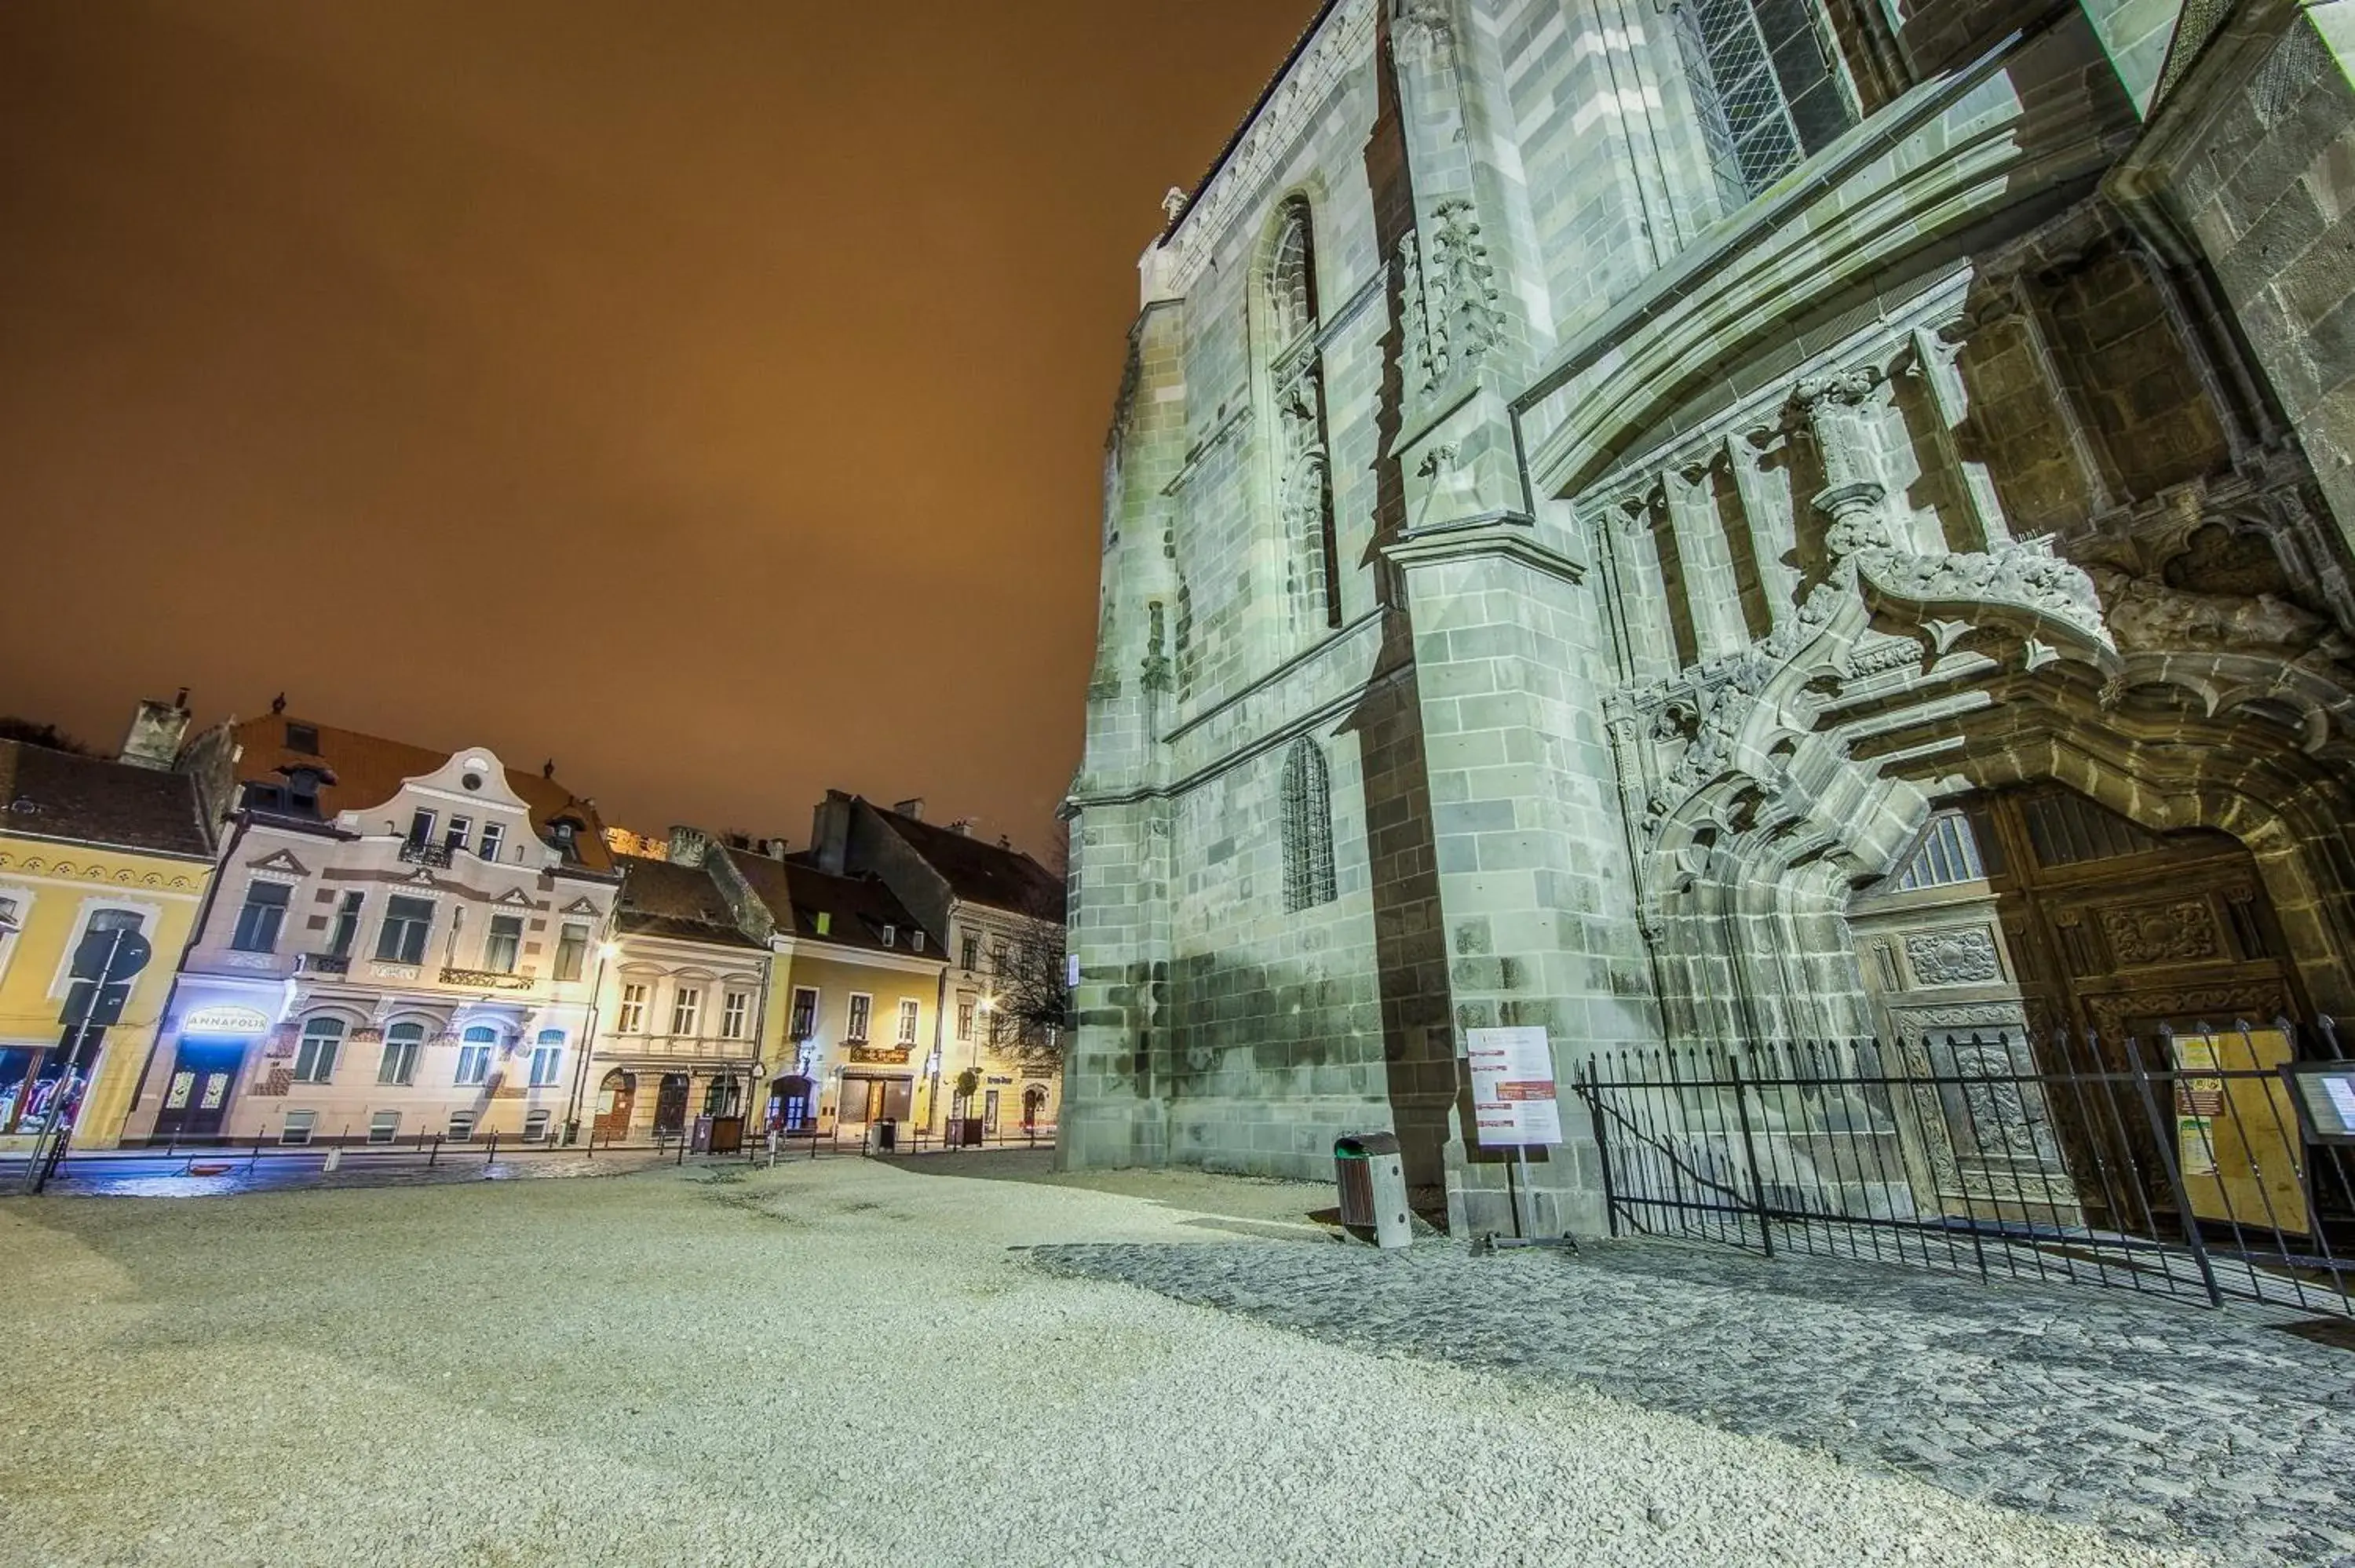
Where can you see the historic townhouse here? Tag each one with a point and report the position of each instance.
(102, 867)
(1719, 520)
(996, 915)
(684, 995)
(854, 1038)
(399, 944)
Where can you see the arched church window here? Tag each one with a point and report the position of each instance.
(1290, 278)
(1308, 828)
(1764, 78)
(1296, 381)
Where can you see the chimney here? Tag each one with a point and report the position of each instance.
(962, 825)
(689, 846)
(912, 809)
(830, 832)
(157, 731)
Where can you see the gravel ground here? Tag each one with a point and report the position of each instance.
(836, 1362)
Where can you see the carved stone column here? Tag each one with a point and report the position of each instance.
(1855, 497)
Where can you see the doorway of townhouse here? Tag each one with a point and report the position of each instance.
(670, 1105)
(870, 1099)
(195, 1099)
(616, 1097)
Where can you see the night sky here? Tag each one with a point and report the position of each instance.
(707, 394)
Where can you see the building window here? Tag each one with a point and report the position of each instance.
(908, 1011)
(1948, 854)
(402, 1042)
(461, 830)
(535, 1126)
(12, 921)
(686, 1011)
(315, 1059)
(258, 922)
(721, 1097)
(547, 1058)
(805, 1020)
(502, 944)
(862, 1014)
(1000, 959)
(571, 951)
(1307, 827)
(384, 1127)
(420, 828)
(303, 738)
(474, 1056)
(1763, 78)
(633, 1018)
(461, 1126)
(1304, 481)
(493, 835)
(971, 952)
(731, 1014)
(407, 922)
(299, 1127)
(965, 1018)
(346, 929)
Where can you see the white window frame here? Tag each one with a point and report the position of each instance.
(966, 1005)
(792, 1019)
(630, 1013)
(413, 1052)
(490, 935)
(384, 1127)
(859, 1019)
(306, 1056)
(493, 840)
(461, 1126)
(547, 1058)
(21, 899)
(477, 1054)
(296, 1130)
(735, 1009)
(686, 1011)
(538, 1125)
(911, 1018)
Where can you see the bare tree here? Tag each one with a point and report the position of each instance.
(1030, 1007)
(34, 732)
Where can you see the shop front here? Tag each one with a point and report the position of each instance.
(205, 1059)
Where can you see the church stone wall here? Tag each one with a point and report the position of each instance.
(1697, 536)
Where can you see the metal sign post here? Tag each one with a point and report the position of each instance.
(103, 966)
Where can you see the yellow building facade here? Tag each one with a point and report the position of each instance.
(98, 859)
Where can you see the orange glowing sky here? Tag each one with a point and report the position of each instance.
(710, 396)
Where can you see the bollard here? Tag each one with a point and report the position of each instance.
(434, 1155)
(489, 1155)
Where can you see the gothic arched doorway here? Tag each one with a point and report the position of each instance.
(2033, 930)
(670, 1105)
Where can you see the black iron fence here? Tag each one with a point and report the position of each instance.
(2186, 1164)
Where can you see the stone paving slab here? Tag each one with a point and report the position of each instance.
(2166, 1422)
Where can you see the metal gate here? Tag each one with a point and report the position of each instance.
(2210, 1164)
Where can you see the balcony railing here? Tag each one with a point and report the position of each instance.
(323, 963)
(487, 980)
(418, 852)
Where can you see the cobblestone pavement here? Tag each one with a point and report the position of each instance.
(2166, 1422)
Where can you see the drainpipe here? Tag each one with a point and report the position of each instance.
(589, 1030)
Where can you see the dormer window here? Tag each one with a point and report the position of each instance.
(891, 935)
(303, 738)
(564, 832)
(303, 789)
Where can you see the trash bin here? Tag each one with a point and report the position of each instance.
(887, 1136)
(1373, 1177)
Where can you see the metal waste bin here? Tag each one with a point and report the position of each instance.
(1373, 1187)
(887, 1136)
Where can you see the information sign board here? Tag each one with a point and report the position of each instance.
(1513, 1095)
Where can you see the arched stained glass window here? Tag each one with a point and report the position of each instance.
(1291, 279)
(1307, 827)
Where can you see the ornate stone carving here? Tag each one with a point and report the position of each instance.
(1963, 957)
(2146, 615)
(1173, 206)
(1422, 343)
(2024, 577)
(1460, 283)
(2182, 931)
(1423, 30)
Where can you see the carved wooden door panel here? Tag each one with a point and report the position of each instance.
(2122, 936)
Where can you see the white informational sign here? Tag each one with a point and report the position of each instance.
(1512, 1088)
(224, 1019)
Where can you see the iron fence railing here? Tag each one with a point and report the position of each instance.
(2182, 1164)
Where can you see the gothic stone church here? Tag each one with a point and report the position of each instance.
(1720, 521)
